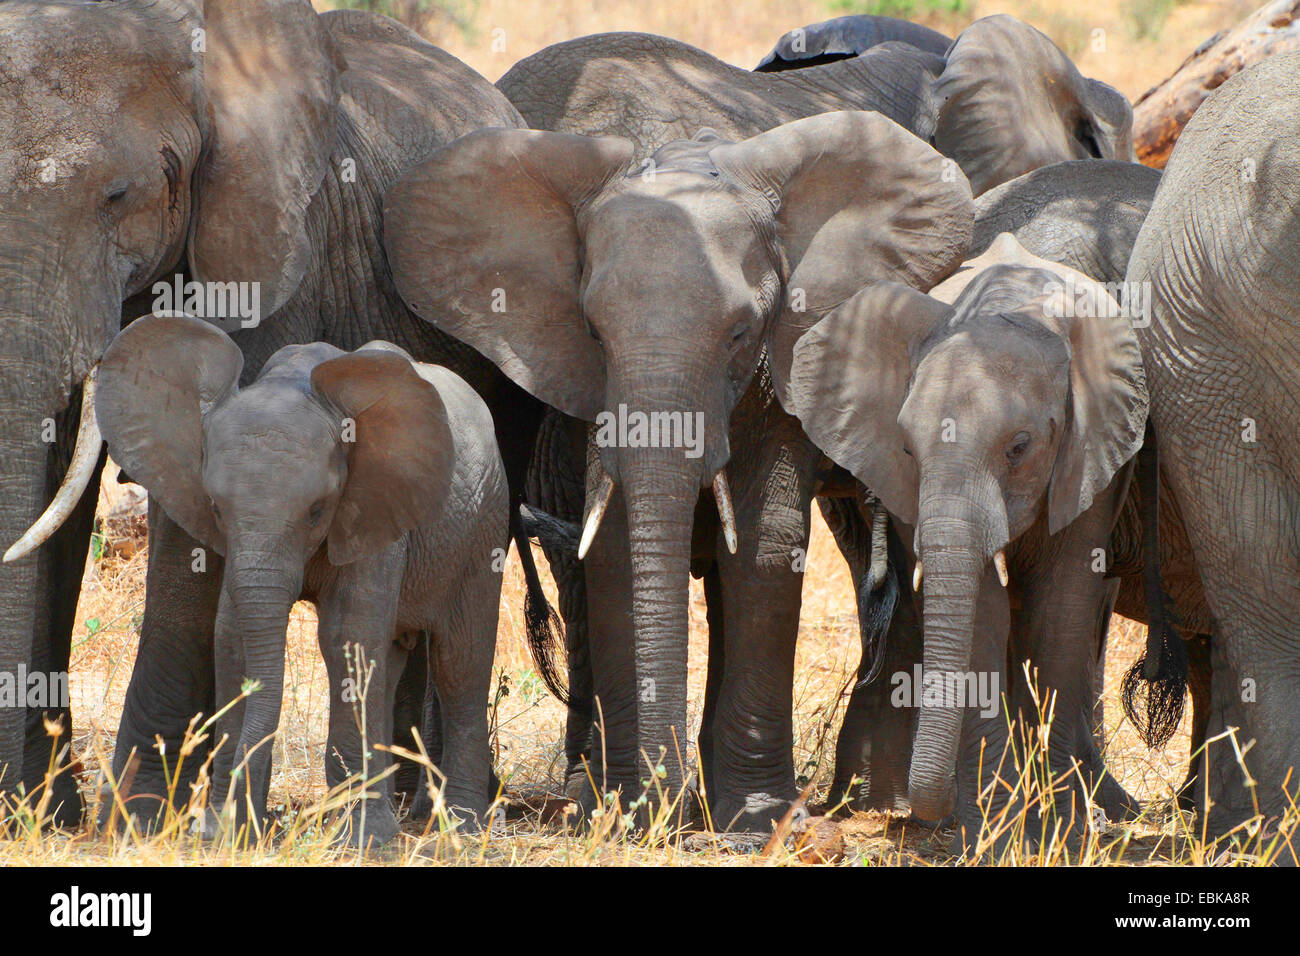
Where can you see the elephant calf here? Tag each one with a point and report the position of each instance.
(364, 482)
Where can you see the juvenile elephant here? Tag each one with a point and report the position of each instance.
(231, 141)
(1002, 101)
(1084, 214)
(614, 290)
(993, 418)
(364, 482)
(1218, 252)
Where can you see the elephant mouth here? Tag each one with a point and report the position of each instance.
(85, 455)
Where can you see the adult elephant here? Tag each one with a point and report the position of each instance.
(672, 291)
(239, 141)
(1084, 215)
(843, 37)
(1001, 74)
(1218, 252)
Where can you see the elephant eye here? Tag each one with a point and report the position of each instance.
(1019, 445)
(314, 515)
(591, 330)
(907, 451)
(116, 191)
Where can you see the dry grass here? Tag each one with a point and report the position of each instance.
(530, 731)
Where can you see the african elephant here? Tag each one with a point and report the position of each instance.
(652, 89)
(1218, 255)
(234, 141)
(844, 37)
(994, 419)
(1084, 214)
(1007, 99)
(623, 294)
(396, 513)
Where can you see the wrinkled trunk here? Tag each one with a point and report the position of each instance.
(660, 489)
(261, 590)
(961, 524)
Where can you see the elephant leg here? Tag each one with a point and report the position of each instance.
(874, 749)
(229, 670)
(173, 676)
(762, 594)
(461, 664)
(1198, 684)
(357, 615)
(713, 602)
(62, 566)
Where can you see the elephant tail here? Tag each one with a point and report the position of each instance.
(1155, 687)
(879, 592)
(542, 625)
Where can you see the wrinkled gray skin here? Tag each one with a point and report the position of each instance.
(994, 424)
(1220, 249)
(597, 286)
(396, 504)
(180, 161)
(844, 37)
(1000, 75)
(1002, 102)
(1084, 215)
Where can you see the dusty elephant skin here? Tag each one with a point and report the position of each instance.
(397, 505)
(1219, 250)
(994, 422)
(844, 37)
(258, 159)
(600, 287)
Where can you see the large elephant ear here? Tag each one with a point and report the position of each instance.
(860, 199)
(1011, 101)
(849, 379)
(484, 242)
(157, 380)
(1108, 402)
(271, 77)
(402, 459)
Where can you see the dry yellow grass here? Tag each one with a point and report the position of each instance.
(530, 733)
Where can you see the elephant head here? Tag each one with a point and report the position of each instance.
(1010, 395)
(611, 288)
(345, 450)
(201, 142)
(1010, 101)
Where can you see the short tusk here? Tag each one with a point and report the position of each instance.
(1000, 562)
(597, 513)
(917, 574)
(726, 513)
(85, 455)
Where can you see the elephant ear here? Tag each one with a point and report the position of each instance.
(401, 461)
(157, 380)
(849, 379)
(1010, 101)
(271, 76)
(1107, 404)
(484, 242)
(858, 199)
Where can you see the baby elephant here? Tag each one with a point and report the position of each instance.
(364, 482)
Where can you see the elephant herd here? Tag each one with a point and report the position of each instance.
(648, 307)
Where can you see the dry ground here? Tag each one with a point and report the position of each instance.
(529, 735)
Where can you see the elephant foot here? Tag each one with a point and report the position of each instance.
(855, 796)
(1116, 801)
(757, 813)
(368, 825)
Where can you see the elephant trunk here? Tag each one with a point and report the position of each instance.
(261, 587)
(961, 525)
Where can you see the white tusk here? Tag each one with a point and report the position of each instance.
(85, 455)
(917, 575)
(597, 512)
(726, 513)
(1000, 562)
